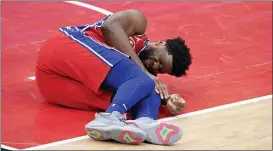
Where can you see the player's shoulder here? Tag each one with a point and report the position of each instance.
(131, 13)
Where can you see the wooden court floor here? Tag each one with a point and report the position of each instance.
(244, 127)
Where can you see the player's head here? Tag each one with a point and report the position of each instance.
(171, 56)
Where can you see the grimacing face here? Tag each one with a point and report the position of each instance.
(156, 58)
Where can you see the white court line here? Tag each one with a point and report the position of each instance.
(8, 147)
(164, 119)
(58, 143)
(31, 78)
(103, 11)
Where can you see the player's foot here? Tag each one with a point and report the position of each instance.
(111, 126)
(158, 133)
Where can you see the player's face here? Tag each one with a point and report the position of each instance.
(156, 59)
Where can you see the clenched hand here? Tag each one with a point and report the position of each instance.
(175, 103)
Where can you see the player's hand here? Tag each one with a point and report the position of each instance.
(175, 104)
(160, 88)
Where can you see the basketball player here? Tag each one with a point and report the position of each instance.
(82, 66)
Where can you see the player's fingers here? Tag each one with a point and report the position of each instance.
(165, 92)
(180, 102)
(161, 93)
(156, 89)
(179, 106)
(172, 107)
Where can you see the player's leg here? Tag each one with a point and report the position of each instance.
(147, 107)
(130, 83)
(145, 114)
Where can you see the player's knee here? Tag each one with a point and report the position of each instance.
(155, 96)
(148, 83)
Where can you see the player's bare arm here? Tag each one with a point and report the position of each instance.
(122, 25)
(116, 31)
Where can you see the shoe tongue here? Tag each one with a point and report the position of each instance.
(145, 119)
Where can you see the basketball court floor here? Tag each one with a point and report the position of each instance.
(228, 89)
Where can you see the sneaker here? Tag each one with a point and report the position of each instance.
(159, 133)
(107, 126)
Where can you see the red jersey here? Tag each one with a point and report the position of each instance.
(138, 42)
